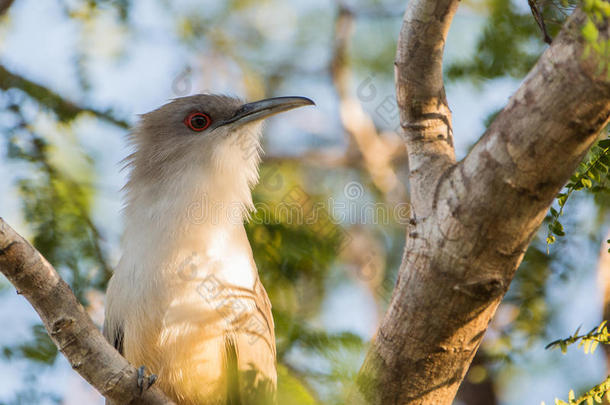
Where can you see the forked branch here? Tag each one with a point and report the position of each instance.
(473, 220)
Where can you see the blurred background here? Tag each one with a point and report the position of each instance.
(74, 74)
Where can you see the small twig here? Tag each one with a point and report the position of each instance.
(64, 109)
(68, 324)
(540, 21)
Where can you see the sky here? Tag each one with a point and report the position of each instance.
(40, 43)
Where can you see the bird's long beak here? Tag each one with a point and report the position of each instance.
(259, 110)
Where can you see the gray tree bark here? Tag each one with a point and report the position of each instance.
(5, 5)
(68, 324)
(473, 220)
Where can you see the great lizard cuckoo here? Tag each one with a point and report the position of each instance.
(186, 300)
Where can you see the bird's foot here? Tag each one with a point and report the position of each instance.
(144, 381)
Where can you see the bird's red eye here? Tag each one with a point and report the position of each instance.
(197, 121)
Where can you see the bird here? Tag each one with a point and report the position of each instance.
(186, 302)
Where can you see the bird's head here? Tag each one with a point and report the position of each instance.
(207, 141)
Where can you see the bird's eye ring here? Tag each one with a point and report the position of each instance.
(197, 121)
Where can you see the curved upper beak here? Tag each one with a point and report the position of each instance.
(262, 109)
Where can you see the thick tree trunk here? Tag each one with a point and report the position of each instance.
(473, 220)
(481, 392)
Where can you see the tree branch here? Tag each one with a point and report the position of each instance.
(474, 220)
(364, 138)
(424, 114)
(65, 110)
(5, 5)
(539, 18)
(68, 325)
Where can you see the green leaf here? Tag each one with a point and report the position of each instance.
(41, 349)
(587, 346)
(557, 228)
(291, 390)
(588, 5)
(594, 346)
(590, 32)
(604, 143)
(577, 331)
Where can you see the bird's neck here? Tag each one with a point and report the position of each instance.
(188, 228)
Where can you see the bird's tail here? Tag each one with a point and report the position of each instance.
(232, 373)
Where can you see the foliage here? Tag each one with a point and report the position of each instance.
(589, 342)
(598, 12)
(41, 349)
(528, 296)
(496, 56)
(58, 208)
(592, 174)
(291, 390)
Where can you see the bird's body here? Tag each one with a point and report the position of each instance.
(186, 300)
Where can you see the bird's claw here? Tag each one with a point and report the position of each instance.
(144, 381)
